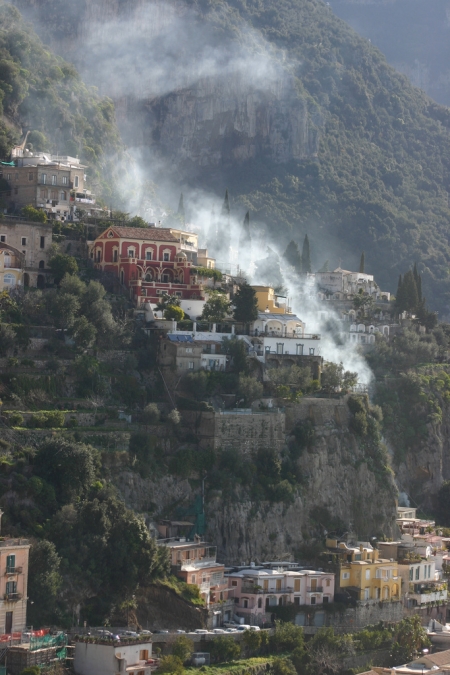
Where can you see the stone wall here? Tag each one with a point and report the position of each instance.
(323, 412)
(249, 432)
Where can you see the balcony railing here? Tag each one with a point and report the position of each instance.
(195, 562)
(13, 597)
(14, 570)
(317, 589)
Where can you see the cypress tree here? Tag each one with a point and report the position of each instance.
(245, 240)
(325, 267)
(292, 255)
(180, 211)
(410, 295)
(361, 263)
(306, 257)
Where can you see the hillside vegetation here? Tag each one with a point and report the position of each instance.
(41, 93)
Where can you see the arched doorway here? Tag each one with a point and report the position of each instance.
(41, 281)
(26, 280)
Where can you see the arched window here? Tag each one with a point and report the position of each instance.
(41, 264)
(99, 255)
(148, 276)
(9, 280)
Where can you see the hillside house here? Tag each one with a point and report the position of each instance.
(56, 184)
(149, 262)
(194, 562)
(102, 658)
(24, 253)
(186, 354)
(14, 555)
(258, 589)
(361, 574)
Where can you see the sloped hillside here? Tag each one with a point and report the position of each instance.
(371, 168)
(43, 94)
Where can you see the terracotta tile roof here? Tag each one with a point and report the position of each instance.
(440, 658)
(149, 233)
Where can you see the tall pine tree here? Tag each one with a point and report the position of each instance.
(362, 263)
(245, 240)
(292, 255)
(306, 257)
(180, 211)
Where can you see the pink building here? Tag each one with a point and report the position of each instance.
(257, 589)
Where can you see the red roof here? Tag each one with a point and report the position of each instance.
(146, 233)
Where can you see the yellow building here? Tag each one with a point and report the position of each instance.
(11, 267)
(364, 574)
(269, 302)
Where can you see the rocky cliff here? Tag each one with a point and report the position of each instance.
(344, 488)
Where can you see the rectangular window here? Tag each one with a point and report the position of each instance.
(278, 584)
(178, 294)
(313, 599)
(115, 254)
(8, 176)
(130, 253)
(328, 582)
(299, 350)
(280, 347)
(188, 350)
(63, 195)
(64, 180)
(411, 574)
(191, 365)
(10, 563)
(11, 587)
(165, 278)
(143, 291)
(346, 575)
(16, 191)
(417, 573)
(296, 585)
(17, 175)
(311, 351)
(148, 255)
(193, 578)
(44, 178)
(54, 195)
(42, 242)
(166, 257)
(3, 238)
(234, 583)
(53, 180)
(24, 241)
(76, 181)
(429, 571)
(296, 600)
(30, 176)
(367, 574)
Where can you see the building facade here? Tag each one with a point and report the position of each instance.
(101, 658)
(185, 354)
(29, 247)
(50, 182)
(14, 555)
(258, 590)
(361, 574)
(149, 262)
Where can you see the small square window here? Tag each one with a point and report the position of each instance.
(3, 238)
(24, 241)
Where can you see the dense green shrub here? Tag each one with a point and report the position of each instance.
(49, 419)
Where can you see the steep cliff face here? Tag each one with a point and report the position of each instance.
(226, 121)
(344, 487)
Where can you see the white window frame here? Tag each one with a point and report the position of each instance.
(76, 181)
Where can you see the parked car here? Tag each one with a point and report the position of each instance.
(130, 633)
(254, 628)
(218, 631)
(180, 631)
(202, 631)
(243, 627)
(104, 633)
(231, 630)
(159, 632)
(145, 632)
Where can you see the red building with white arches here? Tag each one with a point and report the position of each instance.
(148, 261)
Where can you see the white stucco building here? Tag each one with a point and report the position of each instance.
(101, 658)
